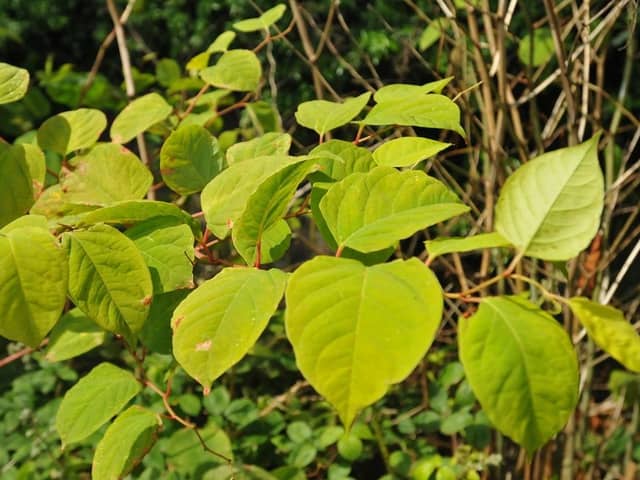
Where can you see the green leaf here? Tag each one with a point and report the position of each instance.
(350, 447)
(222, 42)
(432, 33)
(14, 82)
(167, 71)
(189, 159)
(135, 211)
(370, 211)
(263, 22)
(166, 245)
(322, 115)
(73, 335)
(398, 91)
(33, 282)
(407, 151)
(108, 279)
(272, 143)
(355, 330)
(338, 159)
(217, 324)
(550, 207)
(265, 207)
(36, 221)
(16, 188)
(138, 116)
(156, 333)
(108, 173)
(184, 453)
(225, 197)
(237, 70)
(125, 442)
(276, 240)
(198, 62)
(543, 47)
(73, 130)
(428, 111)
(440, 246)
(37, 164)
(91, 402)
(609, 329)
(522, 368)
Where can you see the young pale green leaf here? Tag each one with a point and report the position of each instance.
(217, 324)
(73, 335)
(166, 245)
(536, 49)
(108, 173)
(398, 91)
(198, 62)
(135, 211)
(189, 159)
(550, 207)
(272, 143)
(222, 42)
(407, 151)
(33, 282)
(322, 115)
(338, 159)
(263, 22)
(138, 116)
(14, 82)
(237, 70)
(609, 329)
(35, 221)
(433, 32)
(370, 211)
(225, 197)
(265, 207)
(440, 246)
(69, 131)
(429, 111)
(156, 333)
(16, 187)
(108, 279)
(355, 330)
(37, 165)
(522, 368)
(91, 402)
(125, 442)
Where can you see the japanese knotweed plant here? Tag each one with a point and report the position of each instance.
(89, 256)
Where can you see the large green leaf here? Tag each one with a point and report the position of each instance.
(225, 197)
(609, 329)
(189, 159)
(108, 279)
(91, 402)
(407, 151)
(337, 159)
(322, 115)
(397, 91)
(440, 246)
(37, 164)
(522, 368)
(33, 282)
(73, 335)
(355, 330)
(272, 143)
(124, 443)
(166, 245)
(263, 22)
(217, 324)
(237, 70)
(550, 207)
(14, 82)
(108, 173)
(16, 188)
(138, 116)
(370, 211)
(429, 111)
(265, 207)
(73, 130)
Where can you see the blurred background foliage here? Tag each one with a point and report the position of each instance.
(429, 427)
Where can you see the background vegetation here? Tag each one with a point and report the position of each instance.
(529, 77)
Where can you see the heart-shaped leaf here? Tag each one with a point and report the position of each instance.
(322, 115)
(237, 70)
(138, 116)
